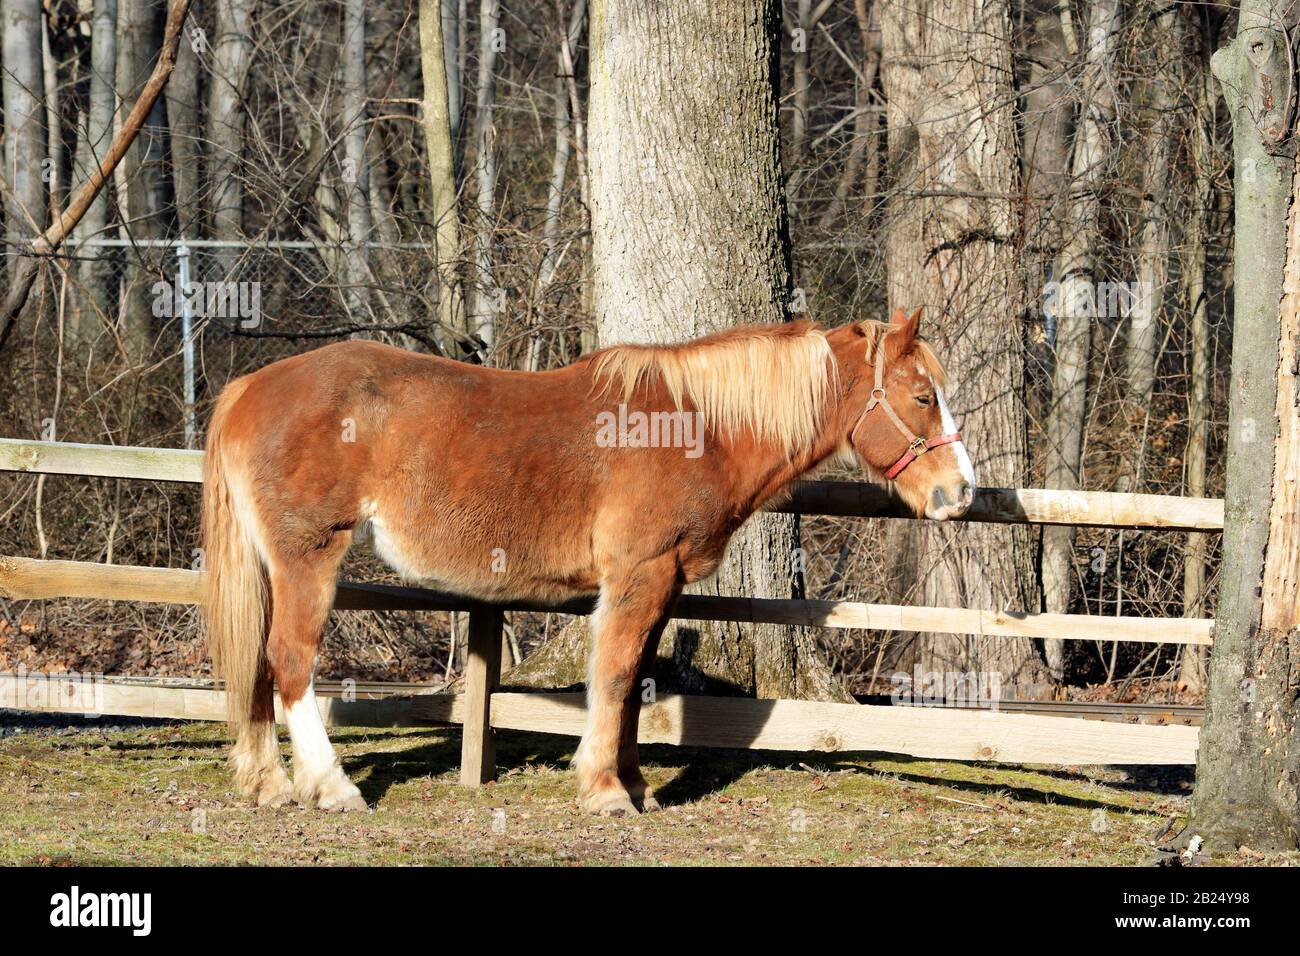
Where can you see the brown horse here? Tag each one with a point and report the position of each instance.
(622, 475)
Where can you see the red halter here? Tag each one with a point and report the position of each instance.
(916, 447)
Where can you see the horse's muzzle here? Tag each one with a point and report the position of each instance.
(948, 503)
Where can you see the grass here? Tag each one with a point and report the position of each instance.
(161, 795)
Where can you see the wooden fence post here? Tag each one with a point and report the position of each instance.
(478, 750)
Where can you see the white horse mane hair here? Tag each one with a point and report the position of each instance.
(774, 380)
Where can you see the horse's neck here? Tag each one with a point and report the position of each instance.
(765, 471)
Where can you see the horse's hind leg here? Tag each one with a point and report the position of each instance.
(302, 592)
(259, 772)
(632, 608)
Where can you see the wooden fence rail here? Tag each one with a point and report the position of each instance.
(934, 733)
(837, 498)
(33, 579)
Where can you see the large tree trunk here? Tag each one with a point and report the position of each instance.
(905, 284)
(1074, 278)
(947, 73)
(24, 117)
(1248, 770)
(1048, 116)
(441, 116)
(690, 242)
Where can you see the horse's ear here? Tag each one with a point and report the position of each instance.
(903, 330)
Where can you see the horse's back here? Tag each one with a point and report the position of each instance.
(460, 473)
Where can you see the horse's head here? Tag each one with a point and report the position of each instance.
(899, 424)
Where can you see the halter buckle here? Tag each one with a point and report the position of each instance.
(918, 447)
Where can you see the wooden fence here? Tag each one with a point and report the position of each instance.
(699, 721)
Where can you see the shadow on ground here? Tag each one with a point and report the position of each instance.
(703, 772)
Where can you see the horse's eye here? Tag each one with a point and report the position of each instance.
(923, 400)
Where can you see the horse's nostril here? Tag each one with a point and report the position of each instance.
(961, 497)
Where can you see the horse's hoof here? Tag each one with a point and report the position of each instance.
(273, 790)
(610, 803)
(649, 804)
(336, 794)
(353, 803)
(273, 800)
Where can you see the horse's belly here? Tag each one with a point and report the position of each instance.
(451, 561)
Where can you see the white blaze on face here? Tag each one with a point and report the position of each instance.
(950, 428)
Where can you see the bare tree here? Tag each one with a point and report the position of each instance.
(144, 168)
(186, 136)
(559, 167)
(484, 300)
(24, 274)
(1192, 671)
(24, 112)
(232, 52)
(1248, 762)
(355, 175)
(53, 170)
(91, 309)
(1147, 307)
(441, 117)
(454, 14)
(866, 118)
(1048, 116)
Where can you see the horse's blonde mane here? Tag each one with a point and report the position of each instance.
(774, 380)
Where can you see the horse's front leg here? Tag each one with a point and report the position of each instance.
(630, 616)
(629, 758)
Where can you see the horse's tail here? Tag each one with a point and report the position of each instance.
(237, 600)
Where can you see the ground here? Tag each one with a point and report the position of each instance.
(160, 794)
